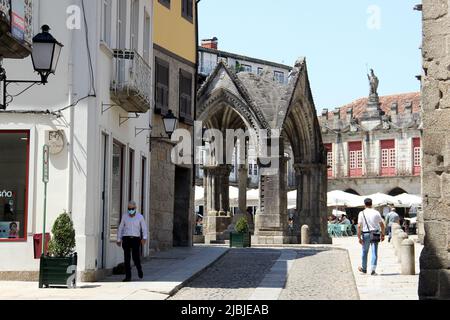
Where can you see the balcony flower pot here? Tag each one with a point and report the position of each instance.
(59, 267)
(242, 237)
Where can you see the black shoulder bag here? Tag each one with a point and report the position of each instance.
(375, 235)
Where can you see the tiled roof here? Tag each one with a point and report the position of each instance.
(359, 106)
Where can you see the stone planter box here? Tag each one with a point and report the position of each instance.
(240, 240)
(58, 272)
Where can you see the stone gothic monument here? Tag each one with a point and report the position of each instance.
(229, 100)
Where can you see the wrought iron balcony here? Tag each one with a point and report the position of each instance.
(131, 81)
(16, 28)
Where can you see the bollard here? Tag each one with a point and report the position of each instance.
(395, 239)
(407, 253)
(305, 235)
(394, 228)
(400, 238)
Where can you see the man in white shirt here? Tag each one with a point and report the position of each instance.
(369, 221)
(391, 218)
(131, 235)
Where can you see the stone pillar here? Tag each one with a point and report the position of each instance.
(435, 258)
(271, 223)
(312, 200)
(243, 184)
(217, 202)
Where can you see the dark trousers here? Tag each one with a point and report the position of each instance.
(132, 247)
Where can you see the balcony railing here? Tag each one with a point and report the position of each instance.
(131, 84)
(16, 28)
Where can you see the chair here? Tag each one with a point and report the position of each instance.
(350, 230)
(337, 230)
(343, 229)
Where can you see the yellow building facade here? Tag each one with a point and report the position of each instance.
(173, 29)
(172, 208)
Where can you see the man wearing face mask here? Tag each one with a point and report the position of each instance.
(129, 237)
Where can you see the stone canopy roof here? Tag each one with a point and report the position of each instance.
(402, 100)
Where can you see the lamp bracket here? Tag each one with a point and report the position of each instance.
(122, 120)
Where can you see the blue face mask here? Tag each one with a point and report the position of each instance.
(132, 212)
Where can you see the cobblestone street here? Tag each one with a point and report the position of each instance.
(275, 273)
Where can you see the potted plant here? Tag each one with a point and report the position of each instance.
(242, 237)
(59, 267)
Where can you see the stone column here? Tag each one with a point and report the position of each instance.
(243, 184)
(217, 202)
(311, 199)
(271, 223)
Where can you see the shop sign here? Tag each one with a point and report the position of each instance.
(46, 164)
(6, 194)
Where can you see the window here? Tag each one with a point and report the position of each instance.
(279, 77)
(121, 24)
(117, 190)
(246, 68)
(187, 9)
(165, 3)
(388, 158)
(417, 156)
(260, 70)
(330, 162)
(147, 38)
(162, 86)
(143, 185)
(134, 36)
(131, 175)
(14, 185)
(185, 95)
(355, 158)
(106, 22)
(255, 169)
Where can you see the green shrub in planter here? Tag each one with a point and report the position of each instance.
(60, 266)
(242, 237)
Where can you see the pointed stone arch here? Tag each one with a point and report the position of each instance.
(232, 101)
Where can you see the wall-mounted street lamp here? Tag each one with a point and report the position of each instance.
(45, 57)
(170, 125)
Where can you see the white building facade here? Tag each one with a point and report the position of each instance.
(210, 56)
(96, 114)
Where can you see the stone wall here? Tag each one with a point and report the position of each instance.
(163, 171)
(435, 259)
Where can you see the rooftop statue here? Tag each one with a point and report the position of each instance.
(374, 83)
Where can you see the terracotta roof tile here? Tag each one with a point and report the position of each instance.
(359, 106)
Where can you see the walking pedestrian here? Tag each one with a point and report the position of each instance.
(391, 218)
(131, 235)
(371, 230)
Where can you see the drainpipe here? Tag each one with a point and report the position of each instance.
(196, 90)
(72, 51)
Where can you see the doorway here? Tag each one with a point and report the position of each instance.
(182, 231)
(104, 201)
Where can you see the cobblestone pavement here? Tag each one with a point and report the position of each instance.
(321, 275)
(234, 277)
(313, 273)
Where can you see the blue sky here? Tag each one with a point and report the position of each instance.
(338, 38)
